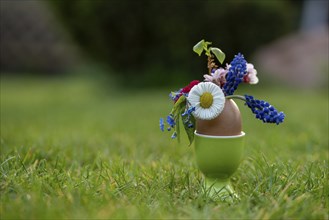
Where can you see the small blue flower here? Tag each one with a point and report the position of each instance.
(174, 135)
(171, 121)
(161, 124)
(186, 116)
(175, 95)
(264, 111)
(237, 70)
(189, 111)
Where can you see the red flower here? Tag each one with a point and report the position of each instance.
(185, 90)
(190, 86)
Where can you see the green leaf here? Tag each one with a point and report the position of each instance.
(199, 47)
(177, 128)
(178, 109)
(218, 53)
(206, 49)
(180, 103)
(189, 131)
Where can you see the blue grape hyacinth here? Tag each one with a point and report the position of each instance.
(264, 111)
(237, 70)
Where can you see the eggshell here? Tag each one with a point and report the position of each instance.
(228, 123)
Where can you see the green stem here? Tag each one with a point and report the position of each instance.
(236, 97)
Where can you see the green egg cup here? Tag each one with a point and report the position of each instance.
(218, 157)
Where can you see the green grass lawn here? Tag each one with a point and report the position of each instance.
(70, 149)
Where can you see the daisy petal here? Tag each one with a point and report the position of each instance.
(216, 101)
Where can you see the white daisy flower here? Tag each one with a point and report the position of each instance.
(208, 100)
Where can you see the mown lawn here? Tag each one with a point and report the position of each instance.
(72, 150)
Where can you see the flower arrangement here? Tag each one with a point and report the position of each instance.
(206, 100)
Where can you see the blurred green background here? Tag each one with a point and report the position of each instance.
(151, 41)
(139, 43)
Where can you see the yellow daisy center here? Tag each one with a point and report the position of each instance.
(206, 100)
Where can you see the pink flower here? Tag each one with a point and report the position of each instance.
(251, 76)
(217, 77)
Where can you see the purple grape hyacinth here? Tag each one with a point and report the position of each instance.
(264, 111)
(237, 70)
